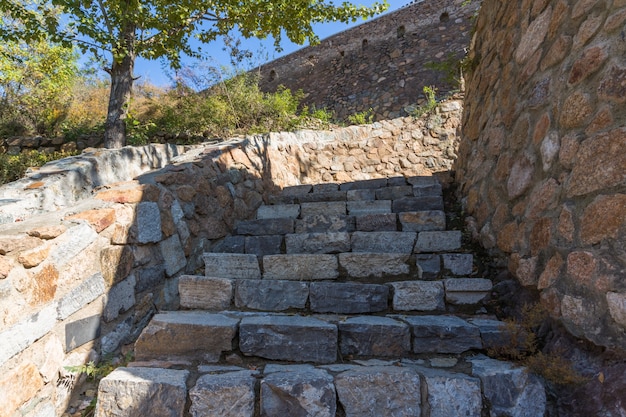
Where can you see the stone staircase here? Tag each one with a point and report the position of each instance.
(337, 300)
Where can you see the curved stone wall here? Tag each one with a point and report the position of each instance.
(542, 164)
(378, 65)
(81, 278)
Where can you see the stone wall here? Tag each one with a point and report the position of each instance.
(378, 65)
(542, 163)
(80, 278)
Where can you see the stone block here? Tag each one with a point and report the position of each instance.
(443, 334)
(326, 196)
(79, 332)
(383, 242)
(322, 223)
(363, 265)
(149, 277)
(278, 211)
(363, 195)
(394, 192)
(418, 296)
(396, 181)
(223, 395)
(288, 338)
(264, 227)
(364, 184)
(374, 336)
(21, 335)
(333, 242)
(173, 255)
(297, 190)
(264, 245)
(231, 265)
(148, 221)
(347, 298)
(300, 393)
(380, 391)
(186, 334)
(116, 262)
(131, 392)
(428, 265)
(271, 295)
(404, 204)
(466, 290)
(438, 241)
(205, 293)
(384, 222)
(494, 333)
(17, 386)
(300, 267)
(119, 299)
(362, 207)
(92, 288)
(458, 263)
(422, 221)
(112, 340)
(427, 190)
(452, 394)
(325, 187)
(331, 208)
(511, 390)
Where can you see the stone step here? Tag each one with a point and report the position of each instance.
(365, 389)
(215, 294)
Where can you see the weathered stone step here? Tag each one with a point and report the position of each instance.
(203, 336)
(215, 294)
(369, 389)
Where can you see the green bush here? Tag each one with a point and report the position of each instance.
(13, 167)
(362, 118)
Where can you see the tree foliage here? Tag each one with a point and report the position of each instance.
(121, 30)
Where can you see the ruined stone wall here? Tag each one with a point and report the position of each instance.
(543, 163)
(378, 65)
(81, 277)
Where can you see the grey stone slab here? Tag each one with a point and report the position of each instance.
(418, 296)
(363, 195)
(265, 227)
(298, 394)
(324, 188)
(452, 394)
(383, 242)
(443, 334)
(297, 190)
(271, 295)
(417, 204)
(148, 220)
(380, 391)
(374, 336)
(333, 242)
(278, 211)
(149, 277)
(365, 264)
(206, 369)
(428, 265)
(494, 333)
(230, 244)
(458, 263)
(364, 184)
(173, 255)
(322, 223)
(330, 208)
(79, 332)
(511, 390)
(271, 368)
(438, 241)
(113, 339)
(326, 196)
(132, 392)
(427, 190)
(282, 199)
(223, 395)
(384, 222)
(264, 245)
(21, 335)
(92, 288)
(422, 181)
(186, 334)
(205, 293)
(119, 299)
(361, 207)
(422, 221)
(396, 181)
(231, 265)
(300, 267)
(462, 291)
(347, 298)
(289, 338)
(394, 192)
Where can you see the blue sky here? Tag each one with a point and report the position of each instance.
(263, 50)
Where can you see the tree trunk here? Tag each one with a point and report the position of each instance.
(119, 98)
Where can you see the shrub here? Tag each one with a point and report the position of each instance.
(13, 167)
(362, 118)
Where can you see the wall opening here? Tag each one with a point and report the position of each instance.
(272, 75)
(444, 17)
(364, 44)
(401, 32)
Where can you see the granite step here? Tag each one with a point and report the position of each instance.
(208, 337)
(418, 388)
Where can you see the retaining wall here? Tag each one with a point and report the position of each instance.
(82, 277)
